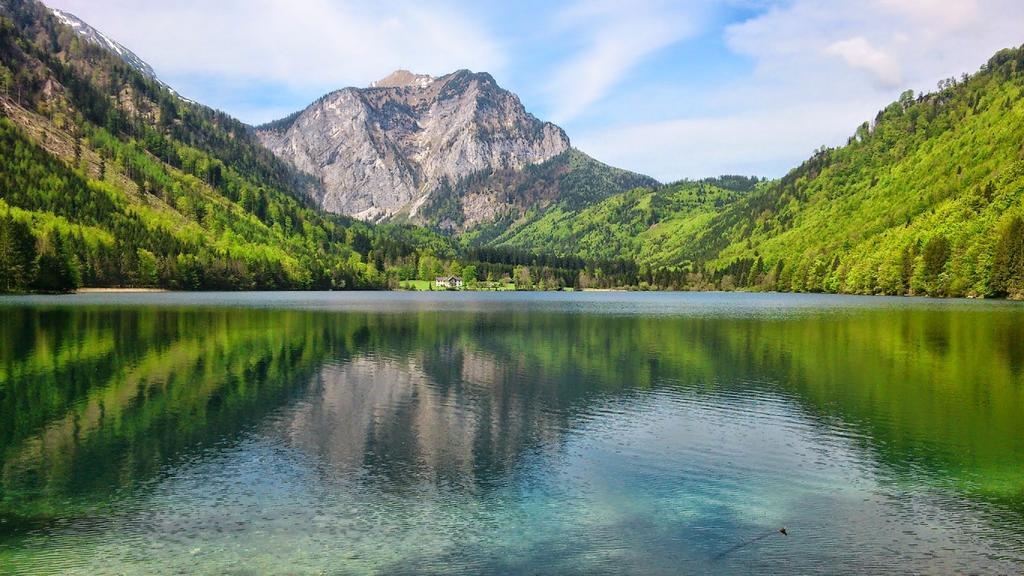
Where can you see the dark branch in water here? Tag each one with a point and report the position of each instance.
(746, 543)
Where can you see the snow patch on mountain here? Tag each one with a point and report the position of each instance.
(100, 39)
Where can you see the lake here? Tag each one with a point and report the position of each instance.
(522, 433)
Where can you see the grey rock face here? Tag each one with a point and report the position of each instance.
(381, 151)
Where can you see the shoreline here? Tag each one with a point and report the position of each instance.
(86, 291)
(119, 290)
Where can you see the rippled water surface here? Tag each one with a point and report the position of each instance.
(510, 433)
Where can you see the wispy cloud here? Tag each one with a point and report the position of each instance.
(295, 44)
(820, 68)
(614, 38)
(908, 42)
(622, 77)
(755, 142)
(859, 53)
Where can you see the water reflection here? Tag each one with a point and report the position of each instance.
(888, 438)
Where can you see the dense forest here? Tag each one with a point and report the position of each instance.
(643, 223)
(107, 178)
(926, 199)
(110, 179)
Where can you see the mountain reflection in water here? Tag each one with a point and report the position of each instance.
(612, 433)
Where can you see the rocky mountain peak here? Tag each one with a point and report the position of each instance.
(383, 151)
(404, 79)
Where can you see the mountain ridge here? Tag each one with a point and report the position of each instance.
(90, 34)
(382, 150)
(109, 175)
(925, 199)
(455, 152)
(108, 179)
(95, 36)
(403, 78)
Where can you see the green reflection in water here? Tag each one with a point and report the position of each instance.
(106, 405)
(102, 399)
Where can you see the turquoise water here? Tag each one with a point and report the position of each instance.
(618, 433)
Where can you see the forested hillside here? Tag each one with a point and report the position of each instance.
(110, 179)
(926, 199)
(570, 181)
(107, 178)
(643, 222)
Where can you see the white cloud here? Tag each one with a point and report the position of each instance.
(936, 16)
(295, 44)
(815, 68)
(859, 53)
(910, 42)
(616, 37)
(748, 143)
(820, 68)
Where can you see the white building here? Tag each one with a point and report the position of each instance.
(448, 282)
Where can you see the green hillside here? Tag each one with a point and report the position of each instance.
(570, 180)
(642, 222)
(107, 178)
(926, 199)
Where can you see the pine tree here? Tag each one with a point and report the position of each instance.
(17, 255)
(1008, 266)
(936, 254)
(907, 266)
(58, 271)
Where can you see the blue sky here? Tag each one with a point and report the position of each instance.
(673, 89)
